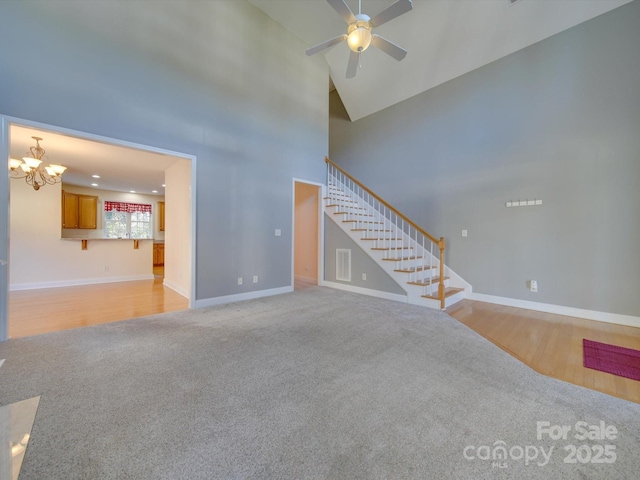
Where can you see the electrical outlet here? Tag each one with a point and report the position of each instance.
(364, 276)
(106, 268)
(278, 232)
(533, 286)
(239, 280)
(255, 279)
(464, 232)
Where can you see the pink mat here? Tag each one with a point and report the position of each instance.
(624, 362)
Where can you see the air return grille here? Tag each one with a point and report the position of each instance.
(343, 264)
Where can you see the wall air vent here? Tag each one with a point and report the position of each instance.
(343, 264)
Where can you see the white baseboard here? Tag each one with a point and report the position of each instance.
(616, 318)
(366, 291)
(210, 302)
(175, 288)
(75, 283)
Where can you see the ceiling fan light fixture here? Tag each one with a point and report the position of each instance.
(359, 39)
(359, 34)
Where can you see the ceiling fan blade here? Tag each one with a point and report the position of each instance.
(325, 45)
(343, 10)
(387, 47)
(395, 10)
(352, 66)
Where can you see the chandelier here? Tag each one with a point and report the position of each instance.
(30, 169)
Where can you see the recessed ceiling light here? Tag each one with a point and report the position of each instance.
(132, 191)
(94, 184)
(163, 185)
(95, 176)
(154, 191)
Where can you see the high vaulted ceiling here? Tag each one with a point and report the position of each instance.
(444, 38)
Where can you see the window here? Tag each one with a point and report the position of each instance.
(127, 220)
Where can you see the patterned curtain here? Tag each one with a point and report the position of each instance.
(126, 207)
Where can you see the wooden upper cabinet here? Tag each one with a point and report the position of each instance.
(79, 211)
(161, 216)
(69, 210)
(87, 211)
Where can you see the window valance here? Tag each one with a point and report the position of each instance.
(126, 207)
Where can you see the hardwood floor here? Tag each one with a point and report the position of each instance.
(32, 312)
(552, 344)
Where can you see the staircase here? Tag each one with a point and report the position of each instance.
(409, 255)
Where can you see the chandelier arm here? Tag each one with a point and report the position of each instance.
(17, 174)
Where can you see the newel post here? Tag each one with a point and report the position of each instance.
(441, 245)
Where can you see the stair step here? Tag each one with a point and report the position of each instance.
(391, 248)
(421, 268)
(360, 221)
(387, 239)
(368, 230)
(401, 259)
(425, 282)
(448, 292)
(354, 214)
(352, 209)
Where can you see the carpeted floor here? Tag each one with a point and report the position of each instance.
(314, 384)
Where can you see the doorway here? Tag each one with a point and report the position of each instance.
(307, 266)
(179, 185)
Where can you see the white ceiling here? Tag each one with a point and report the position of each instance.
(444, 38)
(120, 168)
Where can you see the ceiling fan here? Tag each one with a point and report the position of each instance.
(359, 35)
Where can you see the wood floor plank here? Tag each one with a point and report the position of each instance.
(552, 344)
(32, 312)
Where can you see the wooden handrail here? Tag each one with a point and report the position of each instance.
(430, 237)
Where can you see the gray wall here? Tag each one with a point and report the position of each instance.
(361, 262)
(218, 79)
(558, 121)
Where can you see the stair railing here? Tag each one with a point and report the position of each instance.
(352, 196)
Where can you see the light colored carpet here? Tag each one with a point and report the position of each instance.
(314, 384)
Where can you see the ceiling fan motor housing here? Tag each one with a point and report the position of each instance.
(359, 33)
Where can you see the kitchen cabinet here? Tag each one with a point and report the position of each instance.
(79, 211)
(158, 254)
(161, 216)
